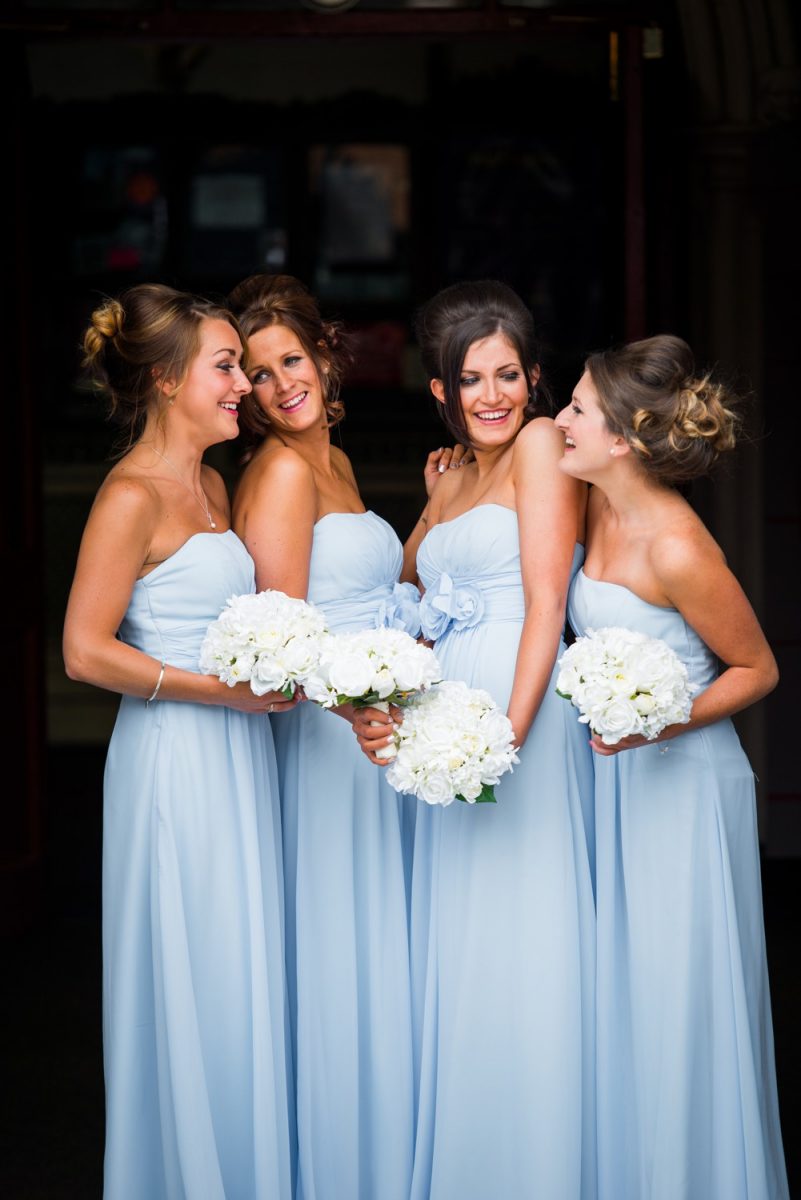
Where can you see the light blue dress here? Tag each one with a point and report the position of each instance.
(503, 922)
(687, 1102)
(195, 1024)
(347, 840)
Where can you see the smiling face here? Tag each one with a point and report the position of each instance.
(215, 382)
(494, 390)
(286, 384)
(590, 446)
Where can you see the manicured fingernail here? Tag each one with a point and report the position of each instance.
(454, 466)
(441, 469)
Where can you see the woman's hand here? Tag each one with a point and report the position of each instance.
(241, 698)
(374, 730)
(444, 459)
(634, 741)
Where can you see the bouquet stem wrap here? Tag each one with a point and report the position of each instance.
(386, 752)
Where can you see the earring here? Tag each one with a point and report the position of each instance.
(612, 450)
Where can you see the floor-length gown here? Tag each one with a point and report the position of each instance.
(687, 1101)
(195, 1014)
(502, 934)
(346, 847)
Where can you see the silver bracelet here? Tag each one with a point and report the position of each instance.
(158, 685)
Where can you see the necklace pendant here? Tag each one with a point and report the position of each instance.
(213, 524)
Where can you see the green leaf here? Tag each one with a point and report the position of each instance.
(288, 691)
(363, 701)
(485, 796)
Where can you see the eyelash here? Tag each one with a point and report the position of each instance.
(576, 409)
(470, 380)
(262, 376)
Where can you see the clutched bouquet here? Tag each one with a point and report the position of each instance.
(371, 668)
(624, 682)
(268, 639)
(454, 744)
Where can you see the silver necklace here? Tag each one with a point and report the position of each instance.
(204, 504)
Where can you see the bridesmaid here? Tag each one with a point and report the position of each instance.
(347, 834)
(196, 1042)
(687, 1102)
(502, 936)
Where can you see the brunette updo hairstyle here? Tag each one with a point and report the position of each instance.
(150, 334)
(264, 300)
(464, 313)
(676, 421)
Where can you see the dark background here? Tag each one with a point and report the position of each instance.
(629, 169)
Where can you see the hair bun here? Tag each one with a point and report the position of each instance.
(106, 322)
(702, 413)
(108, 319)
(133, 342)
(675, 421)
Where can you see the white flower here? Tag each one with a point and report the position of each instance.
(644, 703)
(372, 665)
(267, 638)
(623, 682)
(454, 743)
(383, 683)
(436, 788)
(620, 719)
(351, 674)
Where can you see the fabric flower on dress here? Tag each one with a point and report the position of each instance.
(446, 605)
(401, 610)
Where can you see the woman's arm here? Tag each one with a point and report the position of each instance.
(274, 514)
(547, 503)
(114, 548)
(412, 545)
(694, 577)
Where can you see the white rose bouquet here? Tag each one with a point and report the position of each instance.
(454, 744)
(372, 668)
(268, 639)
(623, 682)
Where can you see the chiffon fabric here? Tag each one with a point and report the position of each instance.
(199, 1096)
(347, 846)
(503, 922)
(687, 1102)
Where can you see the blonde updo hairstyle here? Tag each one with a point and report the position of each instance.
(676, 421)
(262, 301)
(151, 334)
